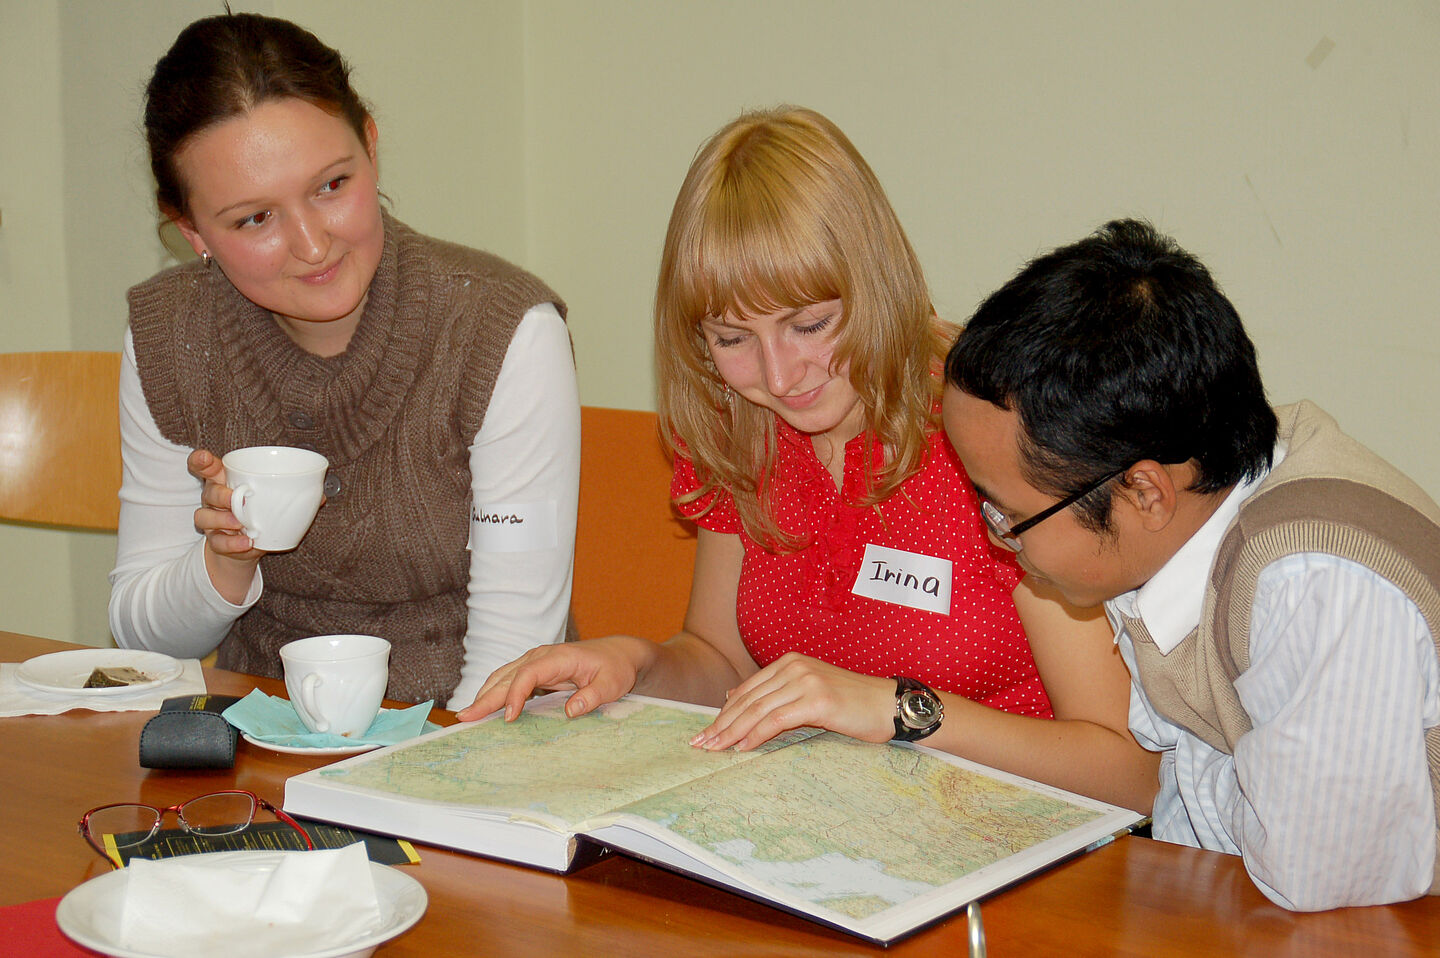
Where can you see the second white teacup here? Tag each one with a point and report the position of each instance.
(275, 492)
(337, 682)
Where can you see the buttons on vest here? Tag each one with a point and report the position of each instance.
(301, 420)
(332, 485)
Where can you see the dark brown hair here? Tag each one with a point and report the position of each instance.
(222, 67)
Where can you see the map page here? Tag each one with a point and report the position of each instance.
(550, 769)
(858, 828)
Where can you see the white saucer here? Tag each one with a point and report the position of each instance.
(313, 749)
(66, 672)
(90, 913)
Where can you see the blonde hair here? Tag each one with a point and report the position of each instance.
(780, 211)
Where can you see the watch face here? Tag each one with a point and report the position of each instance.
(917, 710)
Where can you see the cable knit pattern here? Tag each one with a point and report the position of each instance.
(802, 602)
(395, 414)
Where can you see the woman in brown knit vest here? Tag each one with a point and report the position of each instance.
(314, 319)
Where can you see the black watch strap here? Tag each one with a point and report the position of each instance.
(918, 710)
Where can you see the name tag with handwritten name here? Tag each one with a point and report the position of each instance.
(905, 578)
(513, 527)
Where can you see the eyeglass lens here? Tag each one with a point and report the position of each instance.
(999, 525)
(218, 814)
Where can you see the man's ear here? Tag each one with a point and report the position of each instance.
(1148, 490)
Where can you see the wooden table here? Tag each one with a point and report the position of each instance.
(1133, 898)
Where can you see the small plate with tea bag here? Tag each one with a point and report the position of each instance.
(99, 671)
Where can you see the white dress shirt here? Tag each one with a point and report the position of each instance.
(527, 451)
(1328, 797)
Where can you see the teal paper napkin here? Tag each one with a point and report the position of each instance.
(267, 718)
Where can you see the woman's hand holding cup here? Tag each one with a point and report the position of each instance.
(224, 533)
(256, 500)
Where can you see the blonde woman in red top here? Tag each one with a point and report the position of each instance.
(843, 576)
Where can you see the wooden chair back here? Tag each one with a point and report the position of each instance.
(60, 439)
(633, 552)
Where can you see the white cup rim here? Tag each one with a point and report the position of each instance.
(316, 648)
(261, 461)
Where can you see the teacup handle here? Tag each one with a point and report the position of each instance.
(305, 704)
(239, 496)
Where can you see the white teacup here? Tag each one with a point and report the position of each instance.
(336, 682)
(275, 492)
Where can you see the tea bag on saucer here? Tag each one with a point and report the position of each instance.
(249, 903)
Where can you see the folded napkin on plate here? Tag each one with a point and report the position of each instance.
(249, 903)
(17, 698)
(266, 718)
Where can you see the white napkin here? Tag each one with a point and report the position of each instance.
(17, 698)
(249, 903)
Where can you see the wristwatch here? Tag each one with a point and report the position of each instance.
(918, 710)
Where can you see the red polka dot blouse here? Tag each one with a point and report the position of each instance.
(802, 601)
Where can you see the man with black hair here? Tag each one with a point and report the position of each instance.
(1274, 586)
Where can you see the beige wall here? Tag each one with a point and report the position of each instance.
(1293, 145)
(35, 564)
(1307, 181)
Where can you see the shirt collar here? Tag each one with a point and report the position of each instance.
(1169, 603)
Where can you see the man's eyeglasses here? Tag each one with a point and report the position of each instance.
(218, 814)
(1009, 535)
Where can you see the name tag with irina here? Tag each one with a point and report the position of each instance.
(910, 579)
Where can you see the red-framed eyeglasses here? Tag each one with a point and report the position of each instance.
(110, 828)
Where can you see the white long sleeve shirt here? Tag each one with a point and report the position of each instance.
(1328, 797)
(526, 454)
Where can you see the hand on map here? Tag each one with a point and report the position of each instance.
(796, 690)
(600, 670)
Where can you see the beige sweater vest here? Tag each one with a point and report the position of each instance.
(395, 415)
(1331, 495)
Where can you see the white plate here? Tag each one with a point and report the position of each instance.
(66, 672)
(313, 749)
(90, 913)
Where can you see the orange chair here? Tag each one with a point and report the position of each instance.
(60, 439)
(633, 553)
